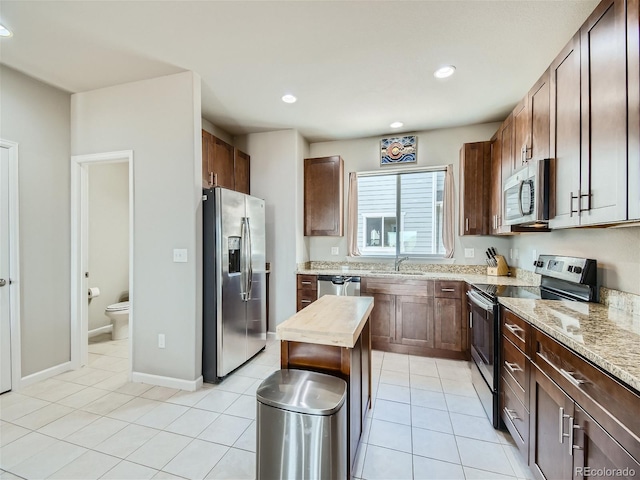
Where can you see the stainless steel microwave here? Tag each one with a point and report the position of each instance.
(528, 195)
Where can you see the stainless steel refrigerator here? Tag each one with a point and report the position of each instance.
(234, 281)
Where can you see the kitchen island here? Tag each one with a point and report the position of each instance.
(332, 336)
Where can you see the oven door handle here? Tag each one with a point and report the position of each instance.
(480, 301)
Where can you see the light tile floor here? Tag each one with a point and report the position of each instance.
(426, 422)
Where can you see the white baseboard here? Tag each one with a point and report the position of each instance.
(100, 330)
(189, 385)
(42, 375)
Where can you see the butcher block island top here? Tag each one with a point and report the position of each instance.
(330, 320)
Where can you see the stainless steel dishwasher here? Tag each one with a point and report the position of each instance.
(338, 285)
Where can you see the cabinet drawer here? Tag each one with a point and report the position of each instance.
(515, 329)
(613, 405)
(515, 416)
(305, 297)
(307, 282)
(448, 289)
(397, 286)
(513, 362)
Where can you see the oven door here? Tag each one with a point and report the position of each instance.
(482, 318)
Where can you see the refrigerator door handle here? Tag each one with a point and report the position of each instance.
(243, 260)
(249, 261)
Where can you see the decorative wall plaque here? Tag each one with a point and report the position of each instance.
(398, 150)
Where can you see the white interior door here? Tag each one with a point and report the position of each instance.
(5, 317)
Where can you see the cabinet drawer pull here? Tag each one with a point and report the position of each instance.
(513, 367)
(305, 301)
(511, 414)
(466, 224)
(305, 283)
(513, 328)
(576, 382)
(448, 289)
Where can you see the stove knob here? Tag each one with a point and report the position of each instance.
(577, 270)
(538, 263)
(570, 268)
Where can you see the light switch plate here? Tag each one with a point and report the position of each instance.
(469, 253)
(335, 250)
(180, 255)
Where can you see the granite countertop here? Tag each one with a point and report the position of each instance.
(608, 337)
(330, 320)
(415, 274)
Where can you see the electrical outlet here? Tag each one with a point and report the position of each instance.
(511, 254)
(180, 255)
(335, 250)
(469, 253)
(534, 255)
(516, 254)
(161, 340)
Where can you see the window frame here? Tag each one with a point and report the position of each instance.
(437, 205)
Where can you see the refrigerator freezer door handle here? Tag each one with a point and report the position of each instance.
(243, 260)
(249, 261)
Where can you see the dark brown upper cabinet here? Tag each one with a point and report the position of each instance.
(324, 196)
(223, 165)
(475, 188)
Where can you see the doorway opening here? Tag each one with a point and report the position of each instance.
(102, 260)
(10, 372)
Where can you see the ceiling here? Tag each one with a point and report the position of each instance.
(355, 66)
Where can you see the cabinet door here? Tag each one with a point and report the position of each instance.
(551, 410)
(520, 134)
(241, 171)
(633, 102)
(604, 115)
(448, 324)
(565, 133)
(496, 183)
(508, 158)
(221, 163)
(382, 319)
(323, 196)
(414, 321)
(475, 167)
(207, 179)
(538, 105)
(594, 450)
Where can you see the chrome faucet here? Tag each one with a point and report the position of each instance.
(398, 262)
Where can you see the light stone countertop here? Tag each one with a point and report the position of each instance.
(606, 336)
(330, 320)
(418, 275)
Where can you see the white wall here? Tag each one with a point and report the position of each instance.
(617, 251)
(36, 116)
(276, 177)
(160, 120)
(437, 147)
(216, 131)
(108, 237)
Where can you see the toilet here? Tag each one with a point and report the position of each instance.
(119, 315)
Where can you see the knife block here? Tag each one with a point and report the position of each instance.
(501, 269)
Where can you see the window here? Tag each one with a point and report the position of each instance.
(401, 213)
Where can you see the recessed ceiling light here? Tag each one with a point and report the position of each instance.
(396, 124)
(4, 31)
(289, 98)
(444, 72)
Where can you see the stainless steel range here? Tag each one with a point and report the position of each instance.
(563, 278)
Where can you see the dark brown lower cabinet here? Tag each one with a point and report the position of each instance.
(596, 454)
(408, 317)
(568, 443)
(448, 331)
(414, 321)
(382, 320)
(550, 411)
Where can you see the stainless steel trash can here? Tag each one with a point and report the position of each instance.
(301, 426)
